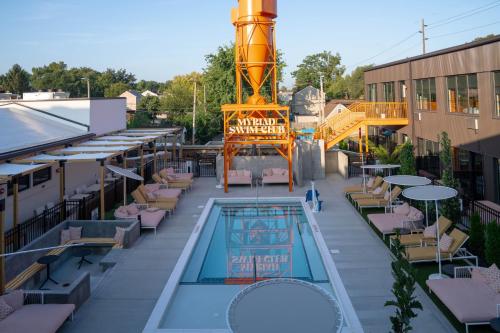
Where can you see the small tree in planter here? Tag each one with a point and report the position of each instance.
(407, 160)
(477, 237)
(451, 207)
(403, 290)
(492, 243)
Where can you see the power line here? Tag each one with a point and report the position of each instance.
(464, 15)
(466, 30)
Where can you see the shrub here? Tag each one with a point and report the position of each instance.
(451, 207)
(492, 243)
(476, 234)
(407, 160)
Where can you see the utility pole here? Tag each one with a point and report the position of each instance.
(204, 98)
(88, 86)
(322, 110)
(194, 111)
(424, 39)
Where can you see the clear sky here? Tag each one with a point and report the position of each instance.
(157, 39)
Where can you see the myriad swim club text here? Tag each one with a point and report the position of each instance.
(258, 126)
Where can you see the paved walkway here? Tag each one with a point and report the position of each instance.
(127, 294)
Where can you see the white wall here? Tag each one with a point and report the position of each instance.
(107, 115)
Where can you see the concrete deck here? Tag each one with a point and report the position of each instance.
(125, 297)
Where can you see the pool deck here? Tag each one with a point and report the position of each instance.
(126, 295)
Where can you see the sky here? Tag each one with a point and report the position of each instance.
(158, 39)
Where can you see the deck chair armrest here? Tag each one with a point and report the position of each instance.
(462, 272)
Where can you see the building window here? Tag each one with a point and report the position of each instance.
(426, 94)
(428, 157)
(497, 170)
(389, 92)
(24, 184)
(497, 93)
(402, 91)
(42, 176)
(463, 94)
(468, 170)
(372, 92)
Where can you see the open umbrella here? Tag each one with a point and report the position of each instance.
(126, 174)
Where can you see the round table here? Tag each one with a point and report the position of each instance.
(47, 260)
(82, 253)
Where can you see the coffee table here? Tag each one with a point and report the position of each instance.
(47, 260)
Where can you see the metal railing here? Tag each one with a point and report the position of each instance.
(486, 214)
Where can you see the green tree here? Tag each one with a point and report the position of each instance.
(407, 159)
(16, 80)
(140, 120)
(492, 243)
(156, 87)
(476, 234)
(315, 65)
(52, 76)
(150, 104)
(355, 82)
(116, 89)
(111, 76)
(385, 156)
(2, 83)
(78, 82)
(403, 290)
(451, 207)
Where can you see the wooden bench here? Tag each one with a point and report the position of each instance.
(34, 268)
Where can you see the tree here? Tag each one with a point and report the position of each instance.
(407, 159)
(476, 234)
(355, 82)
(52, 76)
(111, 76)
(478, 39)
(492, 243)
(156, 87)
(150, 104)
(403, 290)
(140, 120)
(116, 89)
(385, 156)
(313, 66)
(449, 208)
(16, 80)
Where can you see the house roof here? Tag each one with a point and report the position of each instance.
(24, 127)
(331, 105)
(456, 48)
(133, 92)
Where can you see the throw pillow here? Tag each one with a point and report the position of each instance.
(445, 243)
(65, 236)
(277, 171)
(386, 195)
(378, 190)
(430, 231)
(403, 209)
(171, 171)
(132, 210)
(151, 196)
(14, 299)
(491, 274)
(477, 274)
(119, 235)
(75, 233)
(5, 309)
(370, 182)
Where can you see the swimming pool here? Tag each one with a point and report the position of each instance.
(236, 243)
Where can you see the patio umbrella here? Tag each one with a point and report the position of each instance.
(375, 167)
(406, 180)
(284, 305)
(436, 194)
(126, 174)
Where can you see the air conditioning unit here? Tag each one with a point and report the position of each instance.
(473, 124)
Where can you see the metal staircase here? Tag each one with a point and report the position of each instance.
(361, 115)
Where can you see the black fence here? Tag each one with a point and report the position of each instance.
(486, 214)
(200, 165)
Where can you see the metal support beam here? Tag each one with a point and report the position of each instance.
(125, 180)
(102, 206)
(226, 167)
(3, 196)
(142, 165)
(366, 140)
(15, 211)
(62, 181)
(154, 157)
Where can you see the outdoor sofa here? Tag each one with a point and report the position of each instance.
(26, 318)
(470, 296)
(275, 176)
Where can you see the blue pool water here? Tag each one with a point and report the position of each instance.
(242, 243)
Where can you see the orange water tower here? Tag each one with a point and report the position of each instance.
(257, 119)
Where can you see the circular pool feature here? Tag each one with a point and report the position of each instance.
(284, 305)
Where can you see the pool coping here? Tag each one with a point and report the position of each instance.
(168, 293)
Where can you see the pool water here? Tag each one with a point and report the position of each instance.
(245, 243)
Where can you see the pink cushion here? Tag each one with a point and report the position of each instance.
(386, 223)
(152, 218)
(132, 210)
(277, 171)
(168, 193)
(14, 298)
(152, 187)
(370, 182)
(378, 190)
(468, 299)
(430, 231)
(5, 309)
(170, 171)
(415, 215)
(46, 318)
(119, 235)
(445, 243)
(65, 236)
(403, 209)
(477, 275)
(275, 179)
(75, 233)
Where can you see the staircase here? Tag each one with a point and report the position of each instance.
(361, 115)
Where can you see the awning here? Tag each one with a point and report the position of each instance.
(94, 149)
(8, 170)
(110, 143)
(45, 158)
(127, 138)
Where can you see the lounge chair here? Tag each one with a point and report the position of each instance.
(161, 190)
(404, 216)
(174, 182)
(378, 203)
(168, 205)
(468, 296)
(171, 172)
(150, 218)
(419, 239)
(375, 182)
(183, 185)
(378, 193)
(429, 253)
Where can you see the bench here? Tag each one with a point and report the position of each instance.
(34, 268)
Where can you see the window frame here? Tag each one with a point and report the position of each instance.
(426, 93)
(385, 86)
(496, 103)
(47, 169)
(10, 185)
(370, 90)
(466, 98)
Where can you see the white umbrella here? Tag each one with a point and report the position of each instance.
(406, 180)
(432, 193)
(375, 167)
(126, 174)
